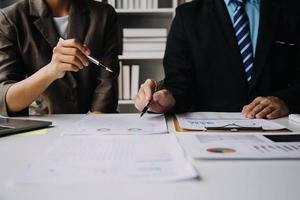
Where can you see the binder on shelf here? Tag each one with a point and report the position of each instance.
(126, 82)
(149, 4)
(155, 4)
(136, 4)
(130, 4)
(120, 81)
(143, 4)
(119, 4)
(135, 74)
(125, 4)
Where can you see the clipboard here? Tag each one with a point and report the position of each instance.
(227, 127)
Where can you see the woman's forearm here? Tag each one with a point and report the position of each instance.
(68, 55)
(22, 94)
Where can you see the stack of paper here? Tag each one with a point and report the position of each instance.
(131, 158)
(144, 42)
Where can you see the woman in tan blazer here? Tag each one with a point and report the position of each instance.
(55, 76)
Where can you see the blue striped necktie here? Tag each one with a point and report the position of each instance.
(242, 32)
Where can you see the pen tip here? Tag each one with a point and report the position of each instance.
(109, 70)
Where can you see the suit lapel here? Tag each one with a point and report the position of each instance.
(78, 21)
(78, 25)
(47, 29)
(269, 11)
(44, 22)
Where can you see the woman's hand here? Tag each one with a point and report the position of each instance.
(68, 55)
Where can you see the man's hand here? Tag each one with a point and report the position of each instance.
(68, 55)
(266, 107)
(161, 101)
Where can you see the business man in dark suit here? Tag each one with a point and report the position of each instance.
(231, 56)
(36, 66)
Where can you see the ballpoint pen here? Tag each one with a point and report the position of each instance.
(96, 62)
(145, 108)
(158, 86)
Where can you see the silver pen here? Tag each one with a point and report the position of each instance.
(96, 62)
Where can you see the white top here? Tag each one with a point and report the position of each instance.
(62, 25)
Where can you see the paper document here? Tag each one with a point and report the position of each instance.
(224, 121)
(240, 147)
(294, 117)
(110, 158)
(119, 124)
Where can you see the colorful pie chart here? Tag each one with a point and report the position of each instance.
(134, 129)
(221, 150)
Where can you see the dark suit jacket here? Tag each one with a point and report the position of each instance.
(27, 37)
(203, 65)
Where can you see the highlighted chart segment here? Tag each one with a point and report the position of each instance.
(221, 150)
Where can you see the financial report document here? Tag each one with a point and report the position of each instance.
(110, 158)
(225, 146)
(119, 124)
(213, 120)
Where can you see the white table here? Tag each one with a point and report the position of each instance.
(230, 180)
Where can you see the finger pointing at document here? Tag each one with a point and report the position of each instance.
(161, 101)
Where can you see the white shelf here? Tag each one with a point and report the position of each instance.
(121, 57)
(126, 102)
(146, 11)
(145, 18)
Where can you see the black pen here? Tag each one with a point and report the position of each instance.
(157, 87)
(146, 108)
(96, 62)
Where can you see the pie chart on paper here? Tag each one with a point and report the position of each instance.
(221, 150)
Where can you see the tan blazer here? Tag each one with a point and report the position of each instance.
(27, 37)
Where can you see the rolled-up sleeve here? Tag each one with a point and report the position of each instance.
(10, 61)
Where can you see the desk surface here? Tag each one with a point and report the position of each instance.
(276, 179)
